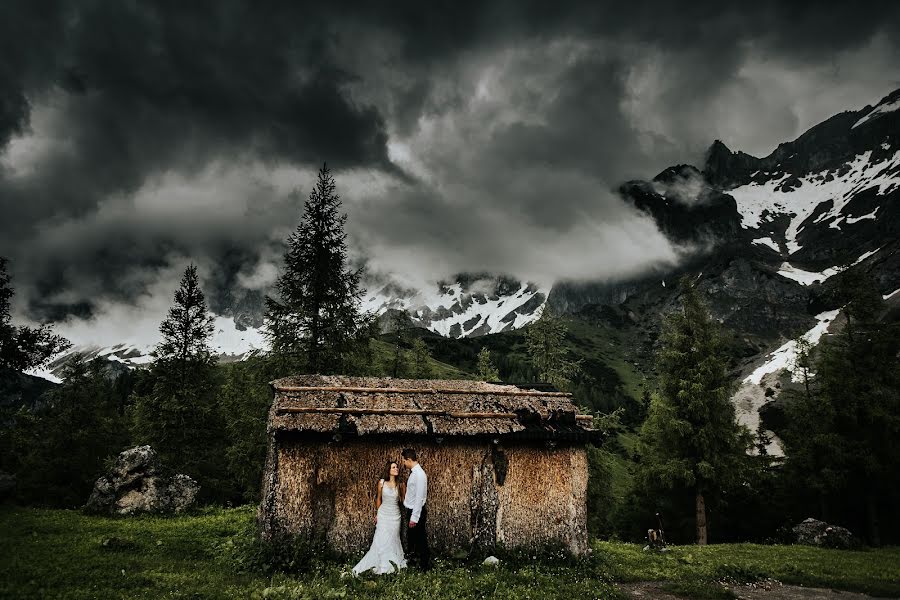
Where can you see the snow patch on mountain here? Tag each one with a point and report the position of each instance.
(806, 277)
(228, 340)
(785, 357)
(878, 111)
(44, 373)
(751, 394)
(767, 241)
(469, 309)
(811, 277)
(800, 197)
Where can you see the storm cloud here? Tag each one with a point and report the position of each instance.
(136, 137)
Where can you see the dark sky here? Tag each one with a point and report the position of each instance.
(138, 136)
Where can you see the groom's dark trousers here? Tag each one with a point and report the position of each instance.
(417, 539)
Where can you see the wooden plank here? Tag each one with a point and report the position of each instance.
(377, 390)
(405, 411)
(394, 411)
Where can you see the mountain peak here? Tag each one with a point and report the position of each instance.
(678, 172)
(723, 167)
(719, 147)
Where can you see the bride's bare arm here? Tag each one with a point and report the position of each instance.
(378, 498)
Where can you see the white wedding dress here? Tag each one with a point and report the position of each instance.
(386, 550)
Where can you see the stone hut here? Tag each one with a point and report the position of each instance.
(506, 466)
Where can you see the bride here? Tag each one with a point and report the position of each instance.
(386, 553)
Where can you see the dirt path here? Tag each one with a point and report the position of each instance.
(768, 590)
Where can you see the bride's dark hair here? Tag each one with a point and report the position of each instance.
(387, 473)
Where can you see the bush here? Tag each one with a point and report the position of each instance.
(285, 553)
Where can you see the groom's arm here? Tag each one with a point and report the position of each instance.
(419, 500)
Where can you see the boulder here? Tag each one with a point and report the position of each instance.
(136, 485)
(813, 532)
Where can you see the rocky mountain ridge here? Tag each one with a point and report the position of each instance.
(778, 230)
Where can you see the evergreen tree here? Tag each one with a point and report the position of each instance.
(842, 427)
(544, 339)
(400, 322)
(486, 369)
(23, 348)
(601, 501)
(245, 399)
(188, 326)
(362, 359)
(176, 410)
(421, 359)
(315, 322)
(59, 449)
(690, 437)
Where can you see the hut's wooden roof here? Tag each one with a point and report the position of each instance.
(366, 406)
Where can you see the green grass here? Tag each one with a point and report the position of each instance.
(64, 554)
(874, 572)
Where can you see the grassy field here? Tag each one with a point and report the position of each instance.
(210, 554)
(875, 572)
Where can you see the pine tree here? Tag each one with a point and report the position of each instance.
(314, 323)
(842, 428)
(544, 339)
(362, 360)
(486, 369)
(690, 437)
(60, 447)
(400, 322)
(188, 326)
(421, 359)
(177, 412)
(245, 399)
(23, 348)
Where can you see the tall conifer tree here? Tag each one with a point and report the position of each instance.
(421, 357)
(313, 323)
(177, 413)
(690, 437)
(842, 429)
(544, 339)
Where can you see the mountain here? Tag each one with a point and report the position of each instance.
(469, 305)
(771, 236)
(21, 389)
(765, 240)
(228, 342)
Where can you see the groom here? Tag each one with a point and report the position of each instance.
(415, 513)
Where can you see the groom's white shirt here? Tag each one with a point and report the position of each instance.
(416, 492)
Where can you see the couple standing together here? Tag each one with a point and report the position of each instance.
(386, 553)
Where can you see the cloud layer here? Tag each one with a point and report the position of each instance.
(137, 137)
